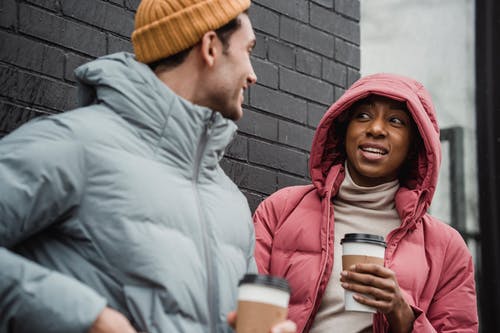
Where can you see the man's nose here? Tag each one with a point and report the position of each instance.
(252, 77)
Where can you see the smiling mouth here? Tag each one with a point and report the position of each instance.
(373, 150)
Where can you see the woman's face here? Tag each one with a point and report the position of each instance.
(378, 139)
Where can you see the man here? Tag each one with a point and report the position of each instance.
(116, 217)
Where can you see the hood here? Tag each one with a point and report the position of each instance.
(420, 184)
(158, 115)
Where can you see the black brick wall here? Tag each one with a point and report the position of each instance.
(307, 54)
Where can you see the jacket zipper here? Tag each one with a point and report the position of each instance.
(212, 306)
(309, 321)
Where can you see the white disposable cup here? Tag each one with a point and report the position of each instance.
(361, 248)
(262, 303)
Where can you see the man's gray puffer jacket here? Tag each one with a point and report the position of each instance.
(121, 202)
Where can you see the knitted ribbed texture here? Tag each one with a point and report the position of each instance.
(166, 27)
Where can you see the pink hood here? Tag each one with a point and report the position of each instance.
(416, 192)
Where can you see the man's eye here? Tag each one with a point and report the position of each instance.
(362, 115)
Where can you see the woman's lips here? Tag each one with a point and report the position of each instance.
(373, 152)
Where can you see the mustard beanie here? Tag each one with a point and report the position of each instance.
(166, 27)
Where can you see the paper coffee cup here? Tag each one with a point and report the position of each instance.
(361, 249)
(262, 303)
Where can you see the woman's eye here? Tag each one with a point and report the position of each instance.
(362, 115)
(397, 121)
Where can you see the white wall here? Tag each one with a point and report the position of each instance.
(433, 42)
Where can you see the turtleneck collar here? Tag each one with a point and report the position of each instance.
(380, 197)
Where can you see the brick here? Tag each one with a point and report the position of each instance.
(305, 86)
(295, 135)
(12, 116)
(293, 8)
(308, 63)
(32, 55)
(278, 103)
(117, 44)
(352, 76)
(52, 5)
(41, 91)
(253, 199)
(100, 14)
(238, 148)
(117, 2)
(73, 61)
(349, 8)
(338, 25)
(324, 3)
(347, 53)
(288, 180)
(132, 4)
(314, 113)
(8, 14)
(257, 124)
(250, 177)
(37, 90)
(62, 32)
(274, 156)
(260, 49)
(334, 72)
(306, 36)
(339, 92)
(281, 53)
(264, 20)
(9, 82)
(267, 73)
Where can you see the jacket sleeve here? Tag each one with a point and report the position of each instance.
(41, 174)
(265, 219)
(453, 307)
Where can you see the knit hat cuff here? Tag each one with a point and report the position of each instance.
(183, 29)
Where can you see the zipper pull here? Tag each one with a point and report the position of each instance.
(210, 123)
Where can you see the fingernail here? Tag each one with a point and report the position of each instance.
(352, 267)
(344, 285)
(343, 273)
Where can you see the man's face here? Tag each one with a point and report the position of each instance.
(233, 72)
(377, 140)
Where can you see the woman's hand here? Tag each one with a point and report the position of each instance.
(380, 283)
(111, 321)
(286, 326)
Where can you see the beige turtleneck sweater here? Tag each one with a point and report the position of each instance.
(368, 210)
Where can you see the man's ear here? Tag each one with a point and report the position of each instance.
(210, 47)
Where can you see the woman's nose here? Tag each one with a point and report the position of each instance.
(377, 127)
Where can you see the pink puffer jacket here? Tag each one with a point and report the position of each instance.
(294, 226)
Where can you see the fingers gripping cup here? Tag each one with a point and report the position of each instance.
(262, 303)
(361, 249)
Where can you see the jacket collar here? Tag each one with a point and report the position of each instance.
(169, 124)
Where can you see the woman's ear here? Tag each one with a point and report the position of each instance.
(209, 48)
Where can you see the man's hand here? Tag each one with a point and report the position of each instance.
(380, 283)
(286, 326)
(111, 321)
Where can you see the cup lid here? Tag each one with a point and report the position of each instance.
(363, 238)
(266, 280)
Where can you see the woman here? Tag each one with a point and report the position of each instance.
(374, 167)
